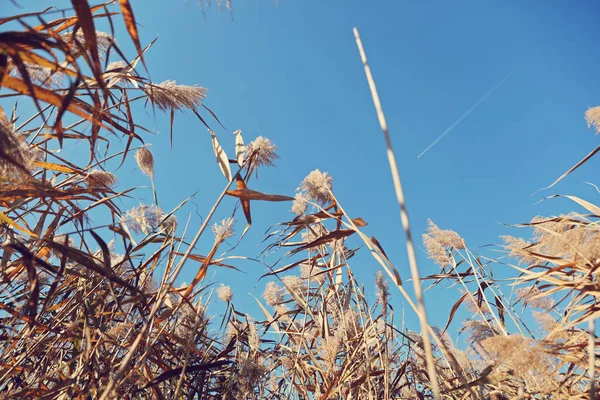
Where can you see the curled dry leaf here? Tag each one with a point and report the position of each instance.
(222, 158)
(240, 149)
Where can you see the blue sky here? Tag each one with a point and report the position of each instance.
(291, 72)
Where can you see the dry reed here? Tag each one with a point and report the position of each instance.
(88, 317)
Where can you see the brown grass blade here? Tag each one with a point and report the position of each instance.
(453, 311)
(3, 68)
(573, 168)
(176, 371)
(335, 235)
(86, 22)
(21, 16)
(172, 120)
(130, 24)
(62, 24)
(241, 185)
(249, 194)
(201, 274)
(18, 85)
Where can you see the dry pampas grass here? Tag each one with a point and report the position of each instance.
(93, 303)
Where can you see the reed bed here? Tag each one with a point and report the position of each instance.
(91, 308)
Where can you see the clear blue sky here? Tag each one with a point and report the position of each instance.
(292, 73)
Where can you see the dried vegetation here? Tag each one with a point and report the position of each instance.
(90, 309)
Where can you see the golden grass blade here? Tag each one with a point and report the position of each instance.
(412, 259)
(34, 58)
(594, 209)
(79, 108)
(268, 315)
(54, 167)
(6, 219)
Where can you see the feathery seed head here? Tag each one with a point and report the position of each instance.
(145, 219)
(300, 203)
(98, 179)
(312, 273)
(317, 185)
(103, 40)
(43, 76)
(435, 251)
(534, 297)
(117, 71)
(592, 117)
(253, 337)
(120, 331)
(567, 236)
(282, 310)
(329, 349)
(232, 330)
(17, 158)
(439, 244)
(250, 371)
(294, 283)
(313, 232)
(225, 294)
(261, 151)
(169, 224)
(518, 248)
(383, 292)
(168, 95)
(145, 160)
(446, 238)
(120, 264)
(223, 230)
(517, 352)
(551, 326)
(189, 319)
(273, 294)
(479, 330)
(117, 65)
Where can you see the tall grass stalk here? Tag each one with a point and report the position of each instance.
(410, 249)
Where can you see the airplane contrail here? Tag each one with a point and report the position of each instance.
(466, 114)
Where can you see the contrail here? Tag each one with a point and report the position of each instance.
(469, 111)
